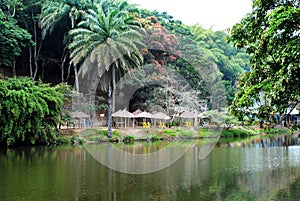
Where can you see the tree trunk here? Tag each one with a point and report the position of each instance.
(76, 79)
(114, 85)
(36, 49)
(109, 103)
(14, 69)
(62, 64)
(30, 62)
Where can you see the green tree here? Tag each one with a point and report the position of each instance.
(29, 111)
(230, 61)
(12, 40)
(270, 33)
(106, 36)
(55, 12)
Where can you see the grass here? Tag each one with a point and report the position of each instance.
(96, 135)
(92, 134)
(239, 133)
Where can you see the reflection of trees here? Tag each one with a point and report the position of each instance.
(225, 174)
(285, 194)
(275, 141)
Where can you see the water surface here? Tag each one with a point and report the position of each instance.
(252, 169)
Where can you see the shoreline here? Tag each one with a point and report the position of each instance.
(98, 135)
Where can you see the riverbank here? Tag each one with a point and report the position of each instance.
(97, 135)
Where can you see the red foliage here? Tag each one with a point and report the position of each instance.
(160, 43)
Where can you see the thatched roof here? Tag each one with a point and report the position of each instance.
(144, 115)
(138, 111)
(126, 114)
(123, 113)
(161, 115)
(117, 113)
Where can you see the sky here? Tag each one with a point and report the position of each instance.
(215, 14)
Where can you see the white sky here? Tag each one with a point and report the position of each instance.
(218, 14)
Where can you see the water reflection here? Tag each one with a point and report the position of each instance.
(274, 141)
(229, 172)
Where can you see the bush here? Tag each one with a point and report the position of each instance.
(128, 138)
(63, 140)
(170, 133)
(29, 111)
(184, 133)
(235, 133)
(156, 137)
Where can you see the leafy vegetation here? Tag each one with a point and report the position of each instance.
(114, 34)
(107, 36)
(29, 111)
(271, 35)
(12, 41)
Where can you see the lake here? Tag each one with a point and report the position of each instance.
(250, 169)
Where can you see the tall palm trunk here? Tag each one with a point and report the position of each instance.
(76, 79)
(109, 103)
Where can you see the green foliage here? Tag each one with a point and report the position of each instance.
(29, 111)
(270, 33)
(235, 133)
(157, 137)
(128, 138)
(63, 140)
(12, 40)
(170, 132)
(184, 133)
(230, 61)
(168, 21)
(107, 37)
(92, 134)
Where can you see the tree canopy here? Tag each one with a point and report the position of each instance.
(67, 33)
(12, 41)
(270, 33)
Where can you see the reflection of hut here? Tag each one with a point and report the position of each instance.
(189, 116)
(122, 114)
(79, 119)
(161, 117)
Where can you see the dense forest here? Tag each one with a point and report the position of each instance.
(63, 42)
(35, 42)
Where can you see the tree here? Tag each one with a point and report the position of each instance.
(29, 111)
(230, 61)
(12, 40)
(270, 33)
(55, 12)
(106, 36)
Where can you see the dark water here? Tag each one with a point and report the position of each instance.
(253, 169)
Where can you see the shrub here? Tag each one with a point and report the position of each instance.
(29, 111)
(170, 133)
(128, 138)
(63, 140)
(235, 133)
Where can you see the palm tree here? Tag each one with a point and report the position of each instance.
(107, 37)
(56, 11)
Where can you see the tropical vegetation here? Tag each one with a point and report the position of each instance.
(270, 34)
(29, 111)
(57, 41)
